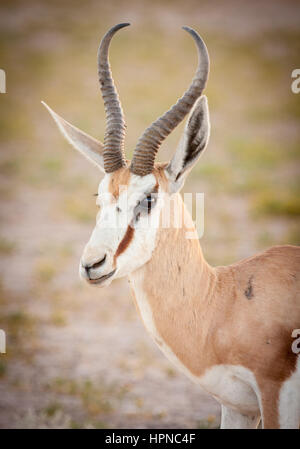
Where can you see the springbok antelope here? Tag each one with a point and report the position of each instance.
(228, 328)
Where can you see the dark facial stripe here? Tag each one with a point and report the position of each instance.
(124, 242)
(123, 245)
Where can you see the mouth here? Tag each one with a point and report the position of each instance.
(102, 278)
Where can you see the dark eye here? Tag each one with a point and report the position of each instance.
(148, 202)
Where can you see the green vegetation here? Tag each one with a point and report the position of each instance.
(284, 204)
(6, 246)
(79, 209)
(2, 368)
(45, 270)
(97, 399)
(208, 423)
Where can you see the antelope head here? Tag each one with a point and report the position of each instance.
(131, 192)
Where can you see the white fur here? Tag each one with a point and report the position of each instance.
(89, 147)
(112, 225)
(289, 401)
(178, 169)
(234, 386)
(231, 419)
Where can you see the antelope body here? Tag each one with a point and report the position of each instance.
(228, 328)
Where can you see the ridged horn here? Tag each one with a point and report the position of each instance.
(113, 154)
(144, 155)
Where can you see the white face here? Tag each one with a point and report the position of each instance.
(125, 232)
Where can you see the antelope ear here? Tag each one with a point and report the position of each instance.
(91, 148)
(192, 144)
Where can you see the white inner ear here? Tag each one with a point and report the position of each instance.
(91, 148)
(192, 144)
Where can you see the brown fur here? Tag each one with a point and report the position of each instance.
(119, 178)
(242, 314)
(202, 313)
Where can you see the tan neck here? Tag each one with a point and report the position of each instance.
(178, 264)
(174, 282)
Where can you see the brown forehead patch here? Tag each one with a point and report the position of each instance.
(160, 176)
(118, 179)
(121, 178)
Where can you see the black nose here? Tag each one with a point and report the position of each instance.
(95, 265)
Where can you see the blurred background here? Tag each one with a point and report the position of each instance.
(76, 356)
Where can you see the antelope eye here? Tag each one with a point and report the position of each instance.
(148, 202)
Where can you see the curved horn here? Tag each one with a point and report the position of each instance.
(113, 154)
(150, 141)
